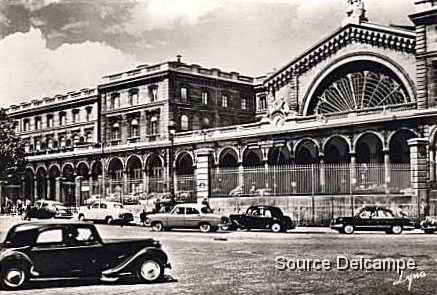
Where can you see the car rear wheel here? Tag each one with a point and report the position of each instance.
(13, 277)
(81, 217)
(109, 220)
(276, 227)
(348, 229)
(205, 227)
(396, 229)
(150, 270)
(157, 226)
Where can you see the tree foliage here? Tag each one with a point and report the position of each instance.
(12, 154)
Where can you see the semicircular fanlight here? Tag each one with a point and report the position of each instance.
(360, 91)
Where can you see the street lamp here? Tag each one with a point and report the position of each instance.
(171, 132)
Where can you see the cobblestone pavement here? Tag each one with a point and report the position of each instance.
(244, 263)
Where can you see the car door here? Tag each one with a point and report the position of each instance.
(84, 249)
(192, 217)
(50, 254)
(383, 220)
(177, 218)
(363, 220)
(93, 212)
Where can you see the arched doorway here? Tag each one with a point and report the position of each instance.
(135, 174)
(54, 174)
(398, 147)
(41, 183)
(278, 156)
(336, 168)
(68, 185)
(370, 158)
(83, 170)
(228, 158)
(184, 170)
(307, 152)
(29, 184)
(155, 172)
(115, 175)
(226, 178)
(306, 177)
(252, 158)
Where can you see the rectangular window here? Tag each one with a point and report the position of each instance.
(89, 111)
(243, 104)
(262, 103)
(37, 123)
(204, 97)
(76, 116)
(115, 101)
(49, 121)
(184, 94)
(153, 93)
(62, 119)
(134, 97)
(224, 101)
(26, 125)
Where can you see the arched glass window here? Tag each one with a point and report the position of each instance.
(116, 131)
(76, 139)
(184, 122)
(89, 137)
(225, 99)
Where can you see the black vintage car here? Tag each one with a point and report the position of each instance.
(67, 249)
(45, 209)
(429, 224)
(261, 217)
(373, 218)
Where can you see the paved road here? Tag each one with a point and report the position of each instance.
(244, 263)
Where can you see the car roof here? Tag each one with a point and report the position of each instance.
(375, 207)
(192, 205)
(264, 206)
(55, 222)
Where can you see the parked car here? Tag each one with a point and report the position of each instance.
(373, 218)
(44, 209)
(187, 215)
(261, 217)
(67, 249)
(429, 225)
(109, 212)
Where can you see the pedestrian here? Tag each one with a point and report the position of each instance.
(206, 203)
(400, 212)
(27, 212)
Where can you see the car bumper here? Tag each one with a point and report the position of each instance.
(409, 227)
(429, 227)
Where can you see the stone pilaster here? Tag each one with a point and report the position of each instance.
(78, 190)
(419, 172)
(387, 171)
(202, 172)
(58, 186)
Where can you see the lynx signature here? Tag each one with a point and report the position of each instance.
(409, 278)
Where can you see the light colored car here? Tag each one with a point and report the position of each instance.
(49, 209)
(109, 212)
(189, 215)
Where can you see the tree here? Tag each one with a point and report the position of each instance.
(12, 154)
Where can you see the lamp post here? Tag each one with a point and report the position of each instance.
(171, 132)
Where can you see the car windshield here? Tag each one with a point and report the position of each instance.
(19, 235)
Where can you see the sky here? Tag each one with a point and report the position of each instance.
(50, 47)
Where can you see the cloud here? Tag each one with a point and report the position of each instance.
(29, 70)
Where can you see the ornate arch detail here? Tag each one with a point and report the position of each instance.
(66, 164)
(393, 133)
(40, 166)
(222, 151)
(84, 162)
(394, 67)
(108, 162)
(148, 156)
(343, 137)
(184, 151)
(139, 157)
(54, 165)
(377, 134)
(31, 169)
(300, 141)
(433, 137)
(94, 162)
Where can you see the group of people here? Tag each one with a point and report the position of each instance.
(18, 207)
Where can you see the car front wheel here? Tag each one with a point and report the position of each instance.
(13, 277)
(348, 229)
(150, 271)
(157, 226)
(205, 227)
(276, 227)
(109, 220)
(396, 229)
